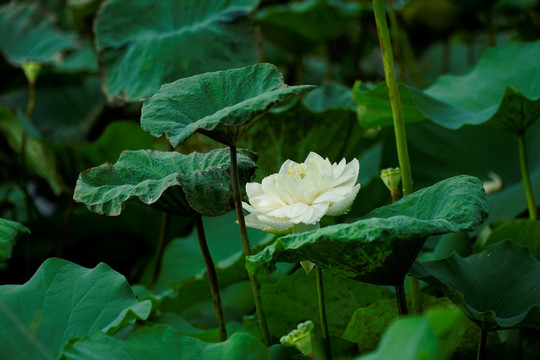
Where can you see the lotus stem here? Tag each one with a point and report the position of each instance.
(67, 228)
(322, 313)
(255, 288)
(399, 121)
(481, 354)
(401, 300)
(526, 177)
(212, 278)
(160, 248)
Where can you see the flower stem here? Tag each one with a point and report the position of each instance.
(399, 121)
(322, 313)
(160, 248)
(212, 278)
(481, 354)
(526, 177)
(255, 288)
(401, 300)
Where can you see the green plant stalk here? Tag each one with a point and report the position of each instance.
(526, 177)
(212, 278)
(401, 300)
(322, 313)
(399, 122)
(481, 354)
(160, 248)
(255, 288)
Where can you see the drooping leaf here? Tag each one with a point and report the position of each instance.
(28, 34)
(223, 104)
(164, 343)
(185, 185)
(146, 44)
(293, 299)
(525, 232)
(418, 337)
(298, 27)
(496, 288)
(380, 247)
(60, 302)
(10, 232)
(506, 98)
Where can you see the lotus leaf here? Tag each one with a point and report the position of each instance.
(223, 105)
(180, 184)
(496, 288)
(148, 43)
(28, 34)
(492, 93)
(380, 247)
(60, 302)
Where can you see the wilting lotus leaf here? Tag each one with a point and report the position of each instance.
(222, 105)
(27, 33)
(10, 232)
(493, 93)
(63, 301)
(144, 43)
(380, 247)
(180, 184)
(497, 288)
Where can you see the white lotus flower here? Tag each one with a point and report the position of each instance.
(302, 194)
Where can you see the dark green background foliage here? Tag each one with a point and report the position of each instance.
(470, 83)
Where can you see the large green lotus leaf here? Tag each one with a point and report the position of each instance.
(222, 104)
(323, 122)
(63, 113)
(180, 184)
(60, 302)
(10, 232)
(525, 232)
(418, 337)
(503, 97)
(164, 343)
(293, 299)
(380, 247)
(40, 158)
(298, 27)
(496, 288)
(27, 33)
(149, 43)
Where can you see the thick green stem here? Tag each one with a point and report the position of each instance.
(322, 313)
(255, 288)
(212, 278)
(401, 300)
(526, 177)
(399, 121)
(160, 248)
(481, 354)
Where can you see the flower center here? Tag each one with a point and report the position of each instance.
(297, 171)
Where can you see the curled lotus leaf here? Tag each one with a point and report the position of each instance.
(497, 288)
(380, 247)
(184, 185)
(222, 105)
(492, 93)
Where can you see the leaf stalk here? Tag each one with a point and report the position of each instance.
(526, 177)
(399, 121)
(212, 278)
(255, 287)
